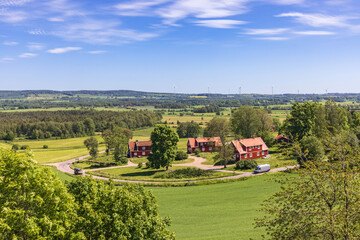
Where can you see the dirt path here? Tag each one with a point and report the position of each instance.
(65, 167)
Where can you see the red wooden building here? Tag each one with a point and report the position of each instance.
(204, 144)
(281, 139)
(250, 148)
(139, 149)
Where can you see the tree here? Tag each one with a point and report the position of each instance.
(247, 121)
(268, 138)
(89, 126)
(311, 148)
(92, 145)
(117, 139)
(220, 127)
(321, 203)
(34, 203)
(188, 129)
(164, 146)
(110, 212)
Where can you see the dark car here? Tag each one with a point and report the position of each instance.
(78, 171)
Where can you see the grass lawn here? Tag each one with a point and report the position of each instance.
(144, 160)
(63, 176)
(148, 174)
(59, 149)
(218, 211)
(101, 161)
(5, 145)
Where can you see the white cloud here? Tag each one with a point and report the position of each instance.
(273, 38)
(63, 50)
(37, 32)
(269, 31)
(97, 52)
(315, 33)
(10, 43)
(27, 55)
(7, 59)
(219, 23)
(318, 20)
(9, 3)
(35, 46)
(56, 19)
(138, 8)
(12, 16)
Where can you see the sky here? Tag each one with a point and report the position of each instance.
(182, 46)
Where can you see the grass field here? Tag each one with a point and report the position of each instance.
(59, 149)
(219, 211)
(148, 174)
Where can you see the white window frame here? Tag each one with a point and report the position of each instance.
(143, 148)
(258, 153)
(210, 148)
(245, 155)
(203, 149)
(143, 153)
(135, 154)
(250, 154)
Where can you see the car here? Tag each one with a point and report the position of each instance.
(78, 171)
(267, 156)
(262, 168)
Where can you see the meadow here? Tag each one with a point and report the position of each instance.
(218, 211)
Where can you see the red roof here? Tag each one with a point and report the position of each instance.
(139, 144)
(215, 140)
(241, 145)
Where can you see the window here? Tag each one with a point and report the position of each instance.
(203, 149)
(143, 148)
(210, 148)
(250, 154)
(258, 153)
(143, 153)
(245, 155)
(135, 154)
(201, 144)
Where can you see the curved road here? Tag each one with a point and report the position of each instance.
(65, 167)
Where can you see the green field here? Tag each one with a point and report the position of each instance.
(218, 211)
(59, 149)
(149, 174)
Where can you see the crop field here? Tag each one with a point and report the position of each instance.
(59, 149)
(219, 211)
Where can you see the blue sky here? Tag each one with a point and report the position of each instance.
(193, 46)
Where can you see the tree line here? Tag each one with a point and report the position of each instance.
(72, 123)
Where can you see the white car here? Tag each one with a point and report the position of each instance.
(267, 156)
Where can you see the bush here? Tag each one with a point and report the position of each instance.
(15, 147)
(148, 165)
(246, 164)
(140, 165)
(45, 147)
(184, 173)
(197, 151)
(23, 147)
(180, 155)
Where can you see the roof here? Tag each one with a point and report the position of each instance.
(280, 136)
(238, 146)
(139, 144)
(250, 142)
(193, 141)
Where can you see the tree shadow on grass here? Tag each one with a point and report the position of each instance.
(142, 174)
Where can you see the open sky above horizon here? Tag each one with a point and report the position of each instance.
(189, 46)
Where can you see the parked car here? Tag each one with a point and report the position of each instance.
(262, 168)
(267, 156)
(78, 171)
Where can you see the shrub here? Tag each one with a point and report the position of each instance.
(246, 164)
(23, 147)
(45, 147)
(197, 151)
(184, 173)
(140, 165)
(15, 147)
(180, 155)
(148, 165)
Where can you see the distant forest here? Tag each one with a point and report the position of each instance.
(36, 99)
(72, 123)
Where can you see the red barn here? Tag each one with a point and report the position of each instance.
(250, 148)
(139, 149)
(281, 139)
(203, 144)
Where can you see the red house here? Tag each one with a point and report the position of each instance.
(281, 139)
(203, 144)
(250, 148)
(139, 149)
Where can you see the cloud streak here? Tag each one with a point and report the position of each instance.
(220, 23)
(63, 50)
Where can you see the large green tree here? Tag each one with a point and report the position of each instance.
(34, 203)
(164, 146)
(117, 139)
(92, 145)
(110, 212)
(188, 129)
(321, 202)
(248, 121)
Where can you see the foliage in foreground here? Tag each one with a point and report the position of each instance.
(35, 204)
(323, 202)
